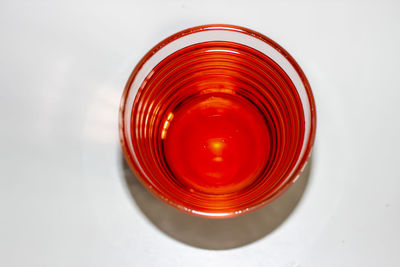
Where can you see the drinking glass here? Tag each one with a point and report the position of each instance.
(217, 120)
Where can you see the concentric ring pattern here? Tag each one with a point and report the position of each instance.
(218, 70)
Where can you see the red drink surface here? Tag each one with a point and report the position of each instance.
(217, 143)
(216, 127)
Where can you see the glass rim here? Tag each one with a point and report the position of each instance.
(221, 27)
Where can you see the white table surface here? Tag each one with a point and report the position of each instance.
(66, 198)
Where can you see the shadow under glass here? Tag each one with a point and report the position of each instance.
(216, 234)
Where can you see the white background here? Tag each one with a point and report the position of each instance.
(66, 200)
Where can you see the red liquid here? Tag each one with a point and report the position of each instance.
(217, 126)
(217, 143)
